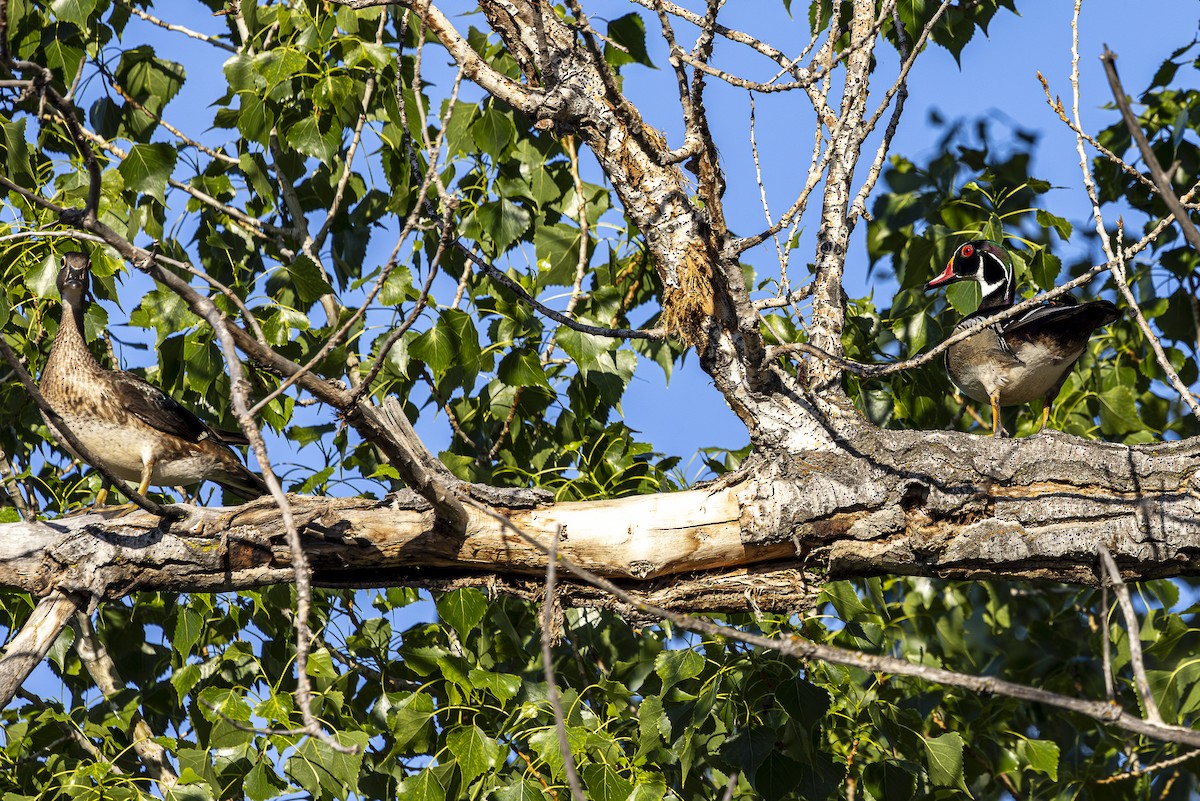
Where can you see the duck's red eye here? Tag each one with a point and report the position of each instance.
(966, 251)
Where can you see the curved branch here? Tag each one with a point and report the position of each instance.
(558, 317)
(497, 84)
(103, 670)
(27, 650)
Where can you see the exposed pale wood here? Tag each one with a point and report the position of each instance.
(922, 503)
(27, 650)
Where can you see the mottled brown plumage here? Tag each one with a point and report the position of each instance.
(1025, 357)
(139, 432)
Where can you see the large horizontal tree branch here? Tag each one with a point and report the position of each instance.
(921, 503)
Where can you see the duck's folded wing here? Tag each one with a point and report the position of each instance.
(1061, 316)
(157, 409)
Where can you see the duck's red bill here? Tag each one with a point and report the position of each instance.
(944, 278)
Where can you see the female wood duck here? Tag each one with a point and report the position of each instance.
(1029, 356)
(141, 433)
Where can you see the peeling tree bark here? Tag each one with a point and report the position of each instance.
(937, 504)
(829, 313)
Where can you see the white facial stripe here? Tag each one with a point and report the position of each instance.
(994, 278)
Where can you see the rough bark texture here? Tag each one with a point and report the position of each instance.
(834, 238)
(921, 503)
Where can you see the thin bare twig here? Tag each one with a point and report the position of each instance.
(560, 722)
(1142, 771)
(900, 88)
(1161, 180)
(692, 142)
(103, 670)
(12, 487)
(1132, 632)
(1110, 690)
(212, 40)
(178, 134)
(1057, 105)
(1117, 262)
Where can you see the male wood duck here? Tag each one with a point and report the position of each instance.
(141, 433)
(1017, 360)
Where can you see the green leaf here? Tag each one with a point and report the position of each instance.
(398, 287)
(654, 727)
(150, 80)
(62, 644)
(422, 787)
(1042, 756)
(461, 328)
(678, 665)
(240, 73)
(320, 664)
(747, 749)
(542, 187)
(463, 609)
(410, 721)
(521, 790)
(557, 250)
(147, 168)
(306, 136)
(436, 348)
(605, 784)
(1045, 267)
(804, 702)
(1118, 411)
(504, 222)
(649, 790)
(188, 626)
(262, 783)
(279, 65)
(944, 757)
(42, 278)
(16, 151)
(325, 772)
(306, 279)
(627, 41)
(217, 703)
(504, 686)
(1061, 226)
(74, 11)
(888, 780)
(254, 121)
(963, 297)
(183, 679)
(493, 132)
(585, 350)
(460, 127)
(475, 751)
(521, 367)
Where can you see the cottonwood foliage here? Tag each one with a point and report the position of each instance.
(449, 701)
